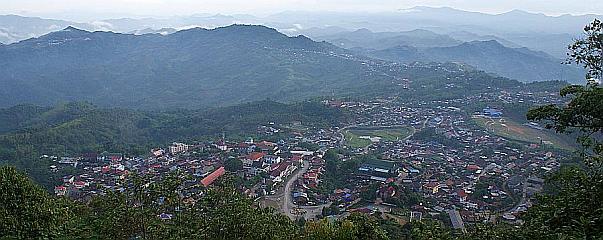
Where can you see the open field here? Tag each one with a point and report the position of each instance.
(354, 141)
(515, 131)
(353, 135)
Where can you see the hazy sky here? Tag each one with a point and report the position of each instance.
(113, 8)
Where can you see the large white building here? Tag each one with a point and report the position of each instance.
(178, 148)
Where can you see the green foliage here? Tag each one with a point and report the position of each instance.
(355, 227)
(429, 230)
(571, 211)
(584, 111)
(490, 56)
(430, 134)
(405, 197)
(338, 173)
(27, 211)
(221, 212)
(233, 165)
(588, 51)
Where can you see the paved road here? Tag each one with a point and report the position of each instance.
(308, 212)
(288, 201)
(522, 200)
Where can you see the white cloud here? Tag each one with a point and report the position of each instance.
(102, 26)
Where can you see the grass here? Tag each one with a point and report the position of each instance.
(515, 131)
(353, 135)
(354, 141)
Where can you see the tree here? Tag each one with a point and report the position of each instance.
(588, 51)
(429, 229)
(27, 211)
(574, 210)
(355, 227)
(585, 110)
(233, 165)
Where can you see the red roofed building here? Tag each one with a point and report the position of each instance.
(213, 176)
(462, 195)
(60, 190)
(473, 167)
(253, 157)
(79, 184)
(283, 169)
(256, 156)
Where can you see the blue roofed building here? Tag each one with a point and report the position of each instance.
(492, 112)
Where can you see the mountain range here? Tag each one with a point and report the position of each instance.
(364, 38)
(486, 53)
(14, 28)
(538, 32)
(190, 68)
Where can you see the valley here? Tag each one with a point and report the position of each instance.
(363, 121)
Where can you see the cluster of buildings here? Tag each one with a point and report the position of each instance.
(463, 173)
(264, 165)
(458, 170)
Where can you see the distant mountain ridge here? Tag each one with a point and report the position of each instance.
(538, 32)
(491, 56)
(364, 38)
(190, 68)
(14, 28)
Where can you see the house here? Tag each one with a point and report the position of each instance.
(158, 152)
(473, 167)
(300, 197)
(60, 190)
(213, 176)
(387, 192)
(253, 157)
(178, 148)
(222, 145)
(258, 167)
(90, 156)
(432, 187)
(462, 195)
(79, 184)
(297, 158)
(243, 148)
(114, 157)
(272, 159)
(268, 147)
(165, 216)
(282, 171)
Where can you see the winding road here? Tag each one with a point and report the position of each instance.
(308, 212)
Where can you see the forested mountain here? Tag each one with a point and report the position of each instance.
(490, 56)
(190, 68)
